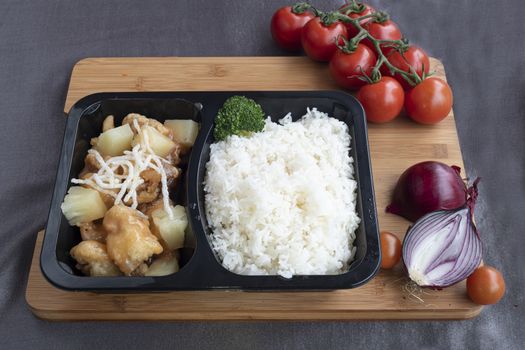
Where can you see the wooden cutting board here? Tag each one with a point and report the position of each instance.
(393, 147)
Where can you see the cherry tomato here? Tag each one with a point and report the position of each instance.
(429, 102)
(352, 31)
(390, 250)
(382, 101)
(286, 27)
(485, 286)
(346, 68)
(319, 41)
(414, 56)
(387, 30)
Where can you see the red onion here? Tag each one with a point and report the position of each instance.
(443, 247)
(426, 187)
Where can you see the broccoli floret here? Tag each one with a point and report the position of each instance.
(238, 116)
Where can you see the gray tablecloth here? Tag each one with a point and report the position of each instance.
(480, 43)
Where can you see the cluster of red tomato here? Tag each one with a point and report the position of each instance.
(428, 102)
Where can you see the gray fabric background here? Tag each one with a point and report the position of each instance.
(480, 43)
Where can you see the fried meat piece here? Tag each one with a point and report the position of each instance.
(93, 259)
(130, 242)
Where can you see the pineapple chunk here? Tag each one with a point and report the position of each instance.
(189, 238)
(114, 142)
(170, 231)
(108, 123)
(164, 265)
(160, 144)
(184, 132)
(82, 205)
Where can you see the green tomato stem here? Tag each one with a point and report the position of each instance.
(352, 7)
(351, 45)
(301, 7)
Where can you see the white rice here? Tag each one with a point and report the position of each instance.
(282, 201)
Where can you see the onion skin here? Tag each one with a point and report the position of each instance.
(426, 187)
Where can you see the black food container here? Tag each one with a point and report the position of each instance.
(200, 267)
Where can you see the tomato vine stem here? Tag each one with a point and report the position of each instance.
(349, 46)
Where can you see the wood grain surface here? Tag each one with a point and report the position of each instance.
(393, 147)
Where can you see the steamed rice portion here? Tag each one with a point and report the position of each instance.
(282, 201)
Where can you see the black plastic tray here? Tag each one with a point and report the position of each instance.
(200, 268)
